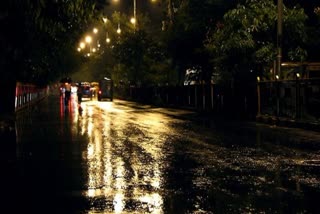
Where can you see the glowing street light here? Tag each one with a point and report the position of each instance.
(82, 45)
(95, 30)
(105, 20)
(107, 38)
(133, 20)
(88, 39)
(119, 29)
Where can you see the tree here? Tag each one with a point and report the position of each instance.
(245, 41)
(38, 36)
(184, 38)
(139, 55)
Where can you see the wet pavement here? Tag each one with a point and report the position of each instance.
(121, 157)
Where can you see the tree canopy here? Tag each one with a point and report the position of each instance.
(245, 41)
(39, 37)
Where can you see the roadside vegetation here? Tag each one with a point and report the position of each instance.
(231, 41)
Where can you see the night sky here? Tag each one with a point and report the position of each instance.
(155, 10)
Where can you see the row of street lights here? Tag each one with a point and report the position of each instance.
(88, 39)
(87, 42)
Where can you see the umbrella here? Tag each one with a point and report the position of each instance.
(66, 79)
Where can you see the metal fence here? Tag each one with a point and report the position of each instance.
(210, 98)
(27, 94)
(293, 99)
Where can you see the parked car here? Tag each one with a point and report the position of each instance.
(105, 89)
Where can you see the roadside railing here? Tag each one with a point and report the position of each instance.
(27, 94)
(292, 99)
(208, 98)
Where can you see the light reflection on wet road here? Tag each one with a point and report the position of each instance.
(119, 157)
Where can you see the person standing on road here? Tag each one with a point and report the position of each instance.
(79, 93)
(67, 93)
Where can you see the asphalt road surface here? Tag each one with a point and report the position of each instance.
(124, 157)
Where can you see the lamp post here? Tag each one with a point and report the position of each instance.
(105, 21)
(298, 110)
(259, 97)
(135, 9)
(279, 54)
(88, 40)
(279, 35)
(107, 38)
(119, 29)
(133, 20)
(278, 96)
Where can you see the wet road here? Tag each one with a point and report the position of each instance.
(120, 157)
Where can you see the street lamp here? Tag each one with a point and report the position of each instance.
(107, 38)
(105, 20)
(82, 45)
(133, 20)
(88, 40)
(119, 29)
(259, 97)
(279, 35)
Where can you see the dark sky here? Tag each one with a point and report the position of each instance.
(143, 6)
(307, 5)
(156, 10)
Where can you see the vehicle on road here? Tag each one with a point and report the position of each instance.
(85, 90)
(105, 89)
(94, 88)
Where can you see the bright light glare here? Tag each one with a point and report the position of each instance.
(88, 39)
(133, 20)
(95, 30)
(82, 45)
(258, 78)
